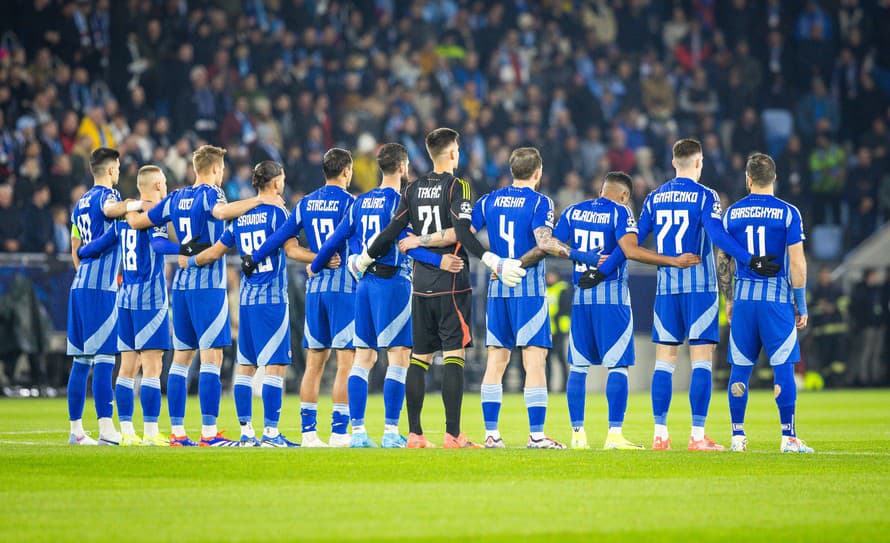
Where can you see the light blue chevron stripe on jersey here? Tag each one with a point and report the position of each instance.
(781, 356)
(92, 345)
(533, 326)
(394, 328)
(661, 332)
(616, 352)
(344, 336)
(705, 320)
(209, 335)
(150, 329)
(311, 341)
(274, 342)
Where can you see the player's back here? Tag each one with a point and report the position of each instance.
(87, 215)
(371, 213)
(268, 284)
(675, 212)
(765, 225)
(511, 215)
(319, 214)
(428, 200)
(142, 280)
(596, 226)
(192, 217)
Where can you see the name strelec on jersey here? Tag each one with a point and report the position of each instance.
(323, 205)
(756, 212)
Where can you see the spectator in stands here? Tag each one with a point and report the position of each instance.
(61, 230)
(10, 222)
(817, 108)
(827, 171)
(828, 328)
(867, 323)
(863, 182)
(37, 236)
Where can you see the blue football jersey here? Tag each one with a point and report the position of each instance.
(765, 225)
(512, 215)
(268, 284)
(142, 285)
(99, 273)
(676, 213)
(595, 226)
(318, 213)
(370, 214)
(191, 211)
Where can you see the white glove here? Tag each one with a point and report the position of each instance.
(508, 270)
(358, 264)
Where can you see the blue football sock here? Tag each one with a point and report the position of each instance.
(123, 393)
(177, 390)
(273, 387)
(616, 396)
(209, 390)
(357, 385)
(308, 416)
(243, 392)
(394, 394)
(77, 386)
(576, 394)
(103, 388)
(150, 398)
(492, 396)
(786, 396)
(700, 391)
(536, 405)
(738, 397)
(662, 389)
(340, 418)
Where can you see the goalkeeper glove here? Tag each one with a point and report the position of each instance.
(358, 264)
(508, 270)
(591, 278)
(248, 266)
(764, 265)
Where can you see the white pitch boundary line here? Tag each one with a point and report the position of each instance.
(20, 433)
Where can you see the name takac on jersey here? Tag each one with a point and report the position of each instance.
(429, 192)
(756, 212)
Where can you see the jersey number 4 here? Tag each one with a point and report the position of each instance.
(667, 219)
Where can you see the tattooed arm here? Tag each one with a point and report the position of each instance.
(549, 244)
(725, 271)
(442, 238)
(532, 257)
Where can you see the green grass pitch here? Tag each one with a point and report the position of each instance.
(52, 492)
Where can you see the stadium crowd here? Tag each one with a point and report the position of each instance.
(597, 85)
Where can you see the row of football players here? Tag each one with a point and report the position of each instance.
(381, 314)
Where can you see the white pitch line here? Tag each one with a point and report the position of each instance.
(20, 433)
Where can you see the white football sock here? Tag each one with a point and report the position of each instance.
(178, 430)
(615, 430)
(698, 433)
(208, 430)
(537, 436)
(106, 427)
(494, 434)
(270, 432)
(661, 430)
(150, 429)
(127, 427)
(247, 429)
(77, 427)
(390, 429)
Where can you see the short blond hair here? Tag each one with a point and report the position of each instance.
(146, 175)
(206, 156)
